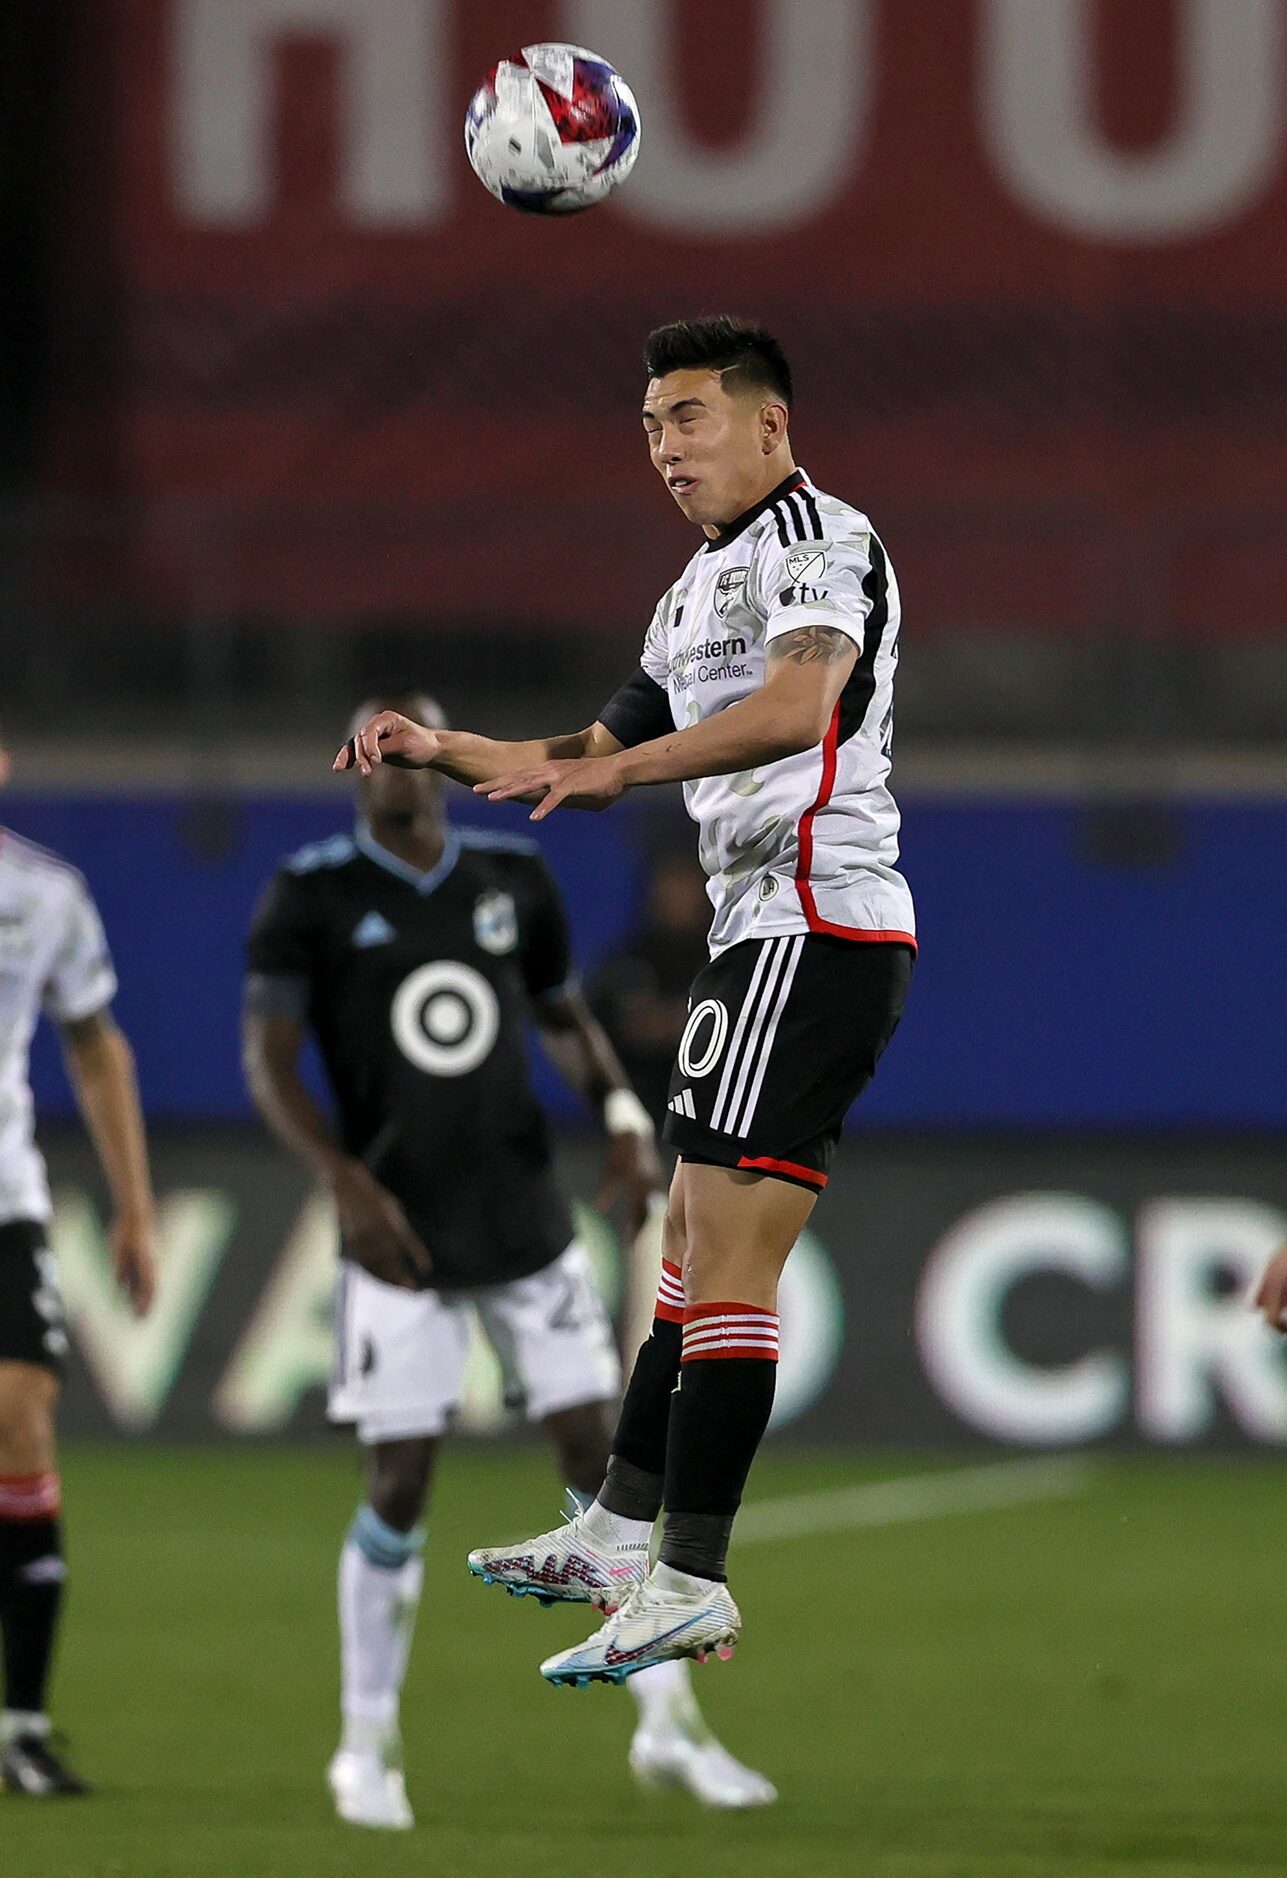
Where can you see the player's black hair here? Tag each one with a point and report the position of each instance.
(727, 346)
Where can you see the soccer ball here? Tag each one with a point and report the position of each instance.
(552, 131)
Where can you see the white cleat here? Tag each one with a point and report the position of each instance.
(704, 1768)
(367, 1792)
(567, 1566)
(669, 1615)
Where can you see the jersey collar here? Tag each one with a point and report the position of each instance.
(794, 481)
(393, 864)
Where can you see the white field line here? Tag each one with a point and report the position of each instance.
(913, 1497)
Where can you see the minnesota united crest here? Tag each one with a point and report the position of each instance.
(496, 923)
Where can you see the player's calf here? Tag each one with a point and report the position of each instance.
(31, 1582)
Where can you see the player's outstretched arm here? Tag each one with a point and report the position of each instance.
(376, 1231)
(807, 669)
(585, 1058)
(388, 737)
(100, 1063)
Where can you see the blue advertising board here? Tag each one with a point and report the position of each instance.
(1068, 978)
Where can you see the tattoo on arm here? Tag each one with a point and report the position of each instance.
(812, 645)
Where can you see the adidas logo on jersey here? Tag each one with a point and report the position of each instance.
(373, 930)
(682, 1104)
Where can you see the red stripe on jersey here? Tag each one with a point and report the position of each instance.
(771, 1166)
(869, 935)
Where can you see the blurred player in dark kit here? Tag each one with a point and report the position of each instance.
(416, 954)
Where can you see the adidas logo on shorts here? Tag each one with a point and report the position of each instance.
(682, 1104)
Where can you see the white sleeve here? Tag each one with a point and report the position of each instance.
(81, 979)
(833, 582)
(655, 657)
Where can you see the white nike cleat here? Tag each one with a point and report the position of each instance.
(568, 1566)
(670, 1614)
(705, 1768)
(367, 1792)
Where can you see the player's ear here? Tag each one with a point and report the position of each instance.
(773, 426)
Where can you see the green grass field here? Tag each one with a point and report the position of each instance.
(1089, 1685)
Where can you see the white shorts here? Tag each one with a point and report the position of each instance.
(401, 1355)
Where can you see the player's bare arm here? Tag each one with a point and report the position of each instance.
(376, 1231)
(586, 1059)
(807, 669)
(100, 1063)
(1271, 1296)
(391, 738)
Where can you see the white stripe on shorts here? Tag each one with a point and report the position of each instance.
(750, 1028)
(767, 951)
(766, 1048)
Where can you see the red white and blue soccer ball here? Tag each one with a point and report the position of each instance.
(552, 131)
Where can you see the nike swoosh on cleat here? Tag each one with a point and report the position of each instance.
(613, 1655)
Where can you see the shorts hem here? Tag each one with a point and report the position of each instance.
(697, 1144)
(583, 1397)
(391, 1425)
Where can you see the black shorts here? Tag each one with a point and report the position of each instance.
(782, 1036)
(33, 1325)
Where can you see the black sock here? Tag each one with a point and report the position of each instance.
(634, 1490)
(31, 1586)
(718, 1419)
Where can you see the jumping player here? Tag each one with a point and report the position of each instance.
(417, 953)
(53, 957)
(766, 688)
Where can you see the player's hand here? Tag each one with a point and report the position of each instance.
(134, 1262)
(1271, 1298)
(631, 1174)
(391, 738)
(377, 1234)
(580, 782)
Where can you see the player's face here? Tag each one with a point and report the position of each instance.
(711, 447)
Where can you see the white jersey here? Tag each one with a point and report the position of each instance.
(53, 957)
(808, 843)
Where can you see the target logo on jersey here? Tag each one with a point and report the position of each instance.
(445, 1018)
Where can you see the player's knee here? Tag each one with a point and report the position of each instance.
(27, 1398)
(673, 1233)
(398, 1481)
(715, 1267)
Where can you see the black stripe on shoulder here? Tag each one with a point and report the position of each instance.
(855, 699)
(806, 496)
(780, 519)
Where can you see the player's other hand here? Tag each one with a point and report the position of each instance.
(1271, 1298)
(391, 738)
(632, 1174)
(377, 1233)
(582, 782)
(134, 1262)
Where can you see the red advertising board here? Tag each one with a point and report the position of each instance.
(1028, 259)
